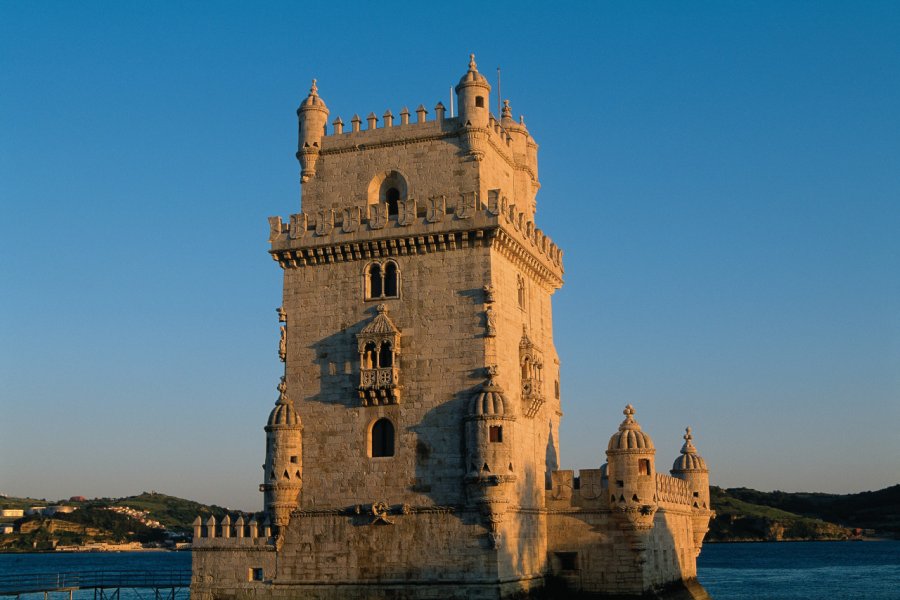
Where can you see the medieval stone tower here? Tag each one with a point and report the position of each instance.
(418, 353)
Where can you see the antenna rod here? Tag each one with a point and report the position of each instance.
(499, 95)
(451, 101)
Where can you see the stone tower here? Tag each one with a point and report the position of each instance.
(418, 349)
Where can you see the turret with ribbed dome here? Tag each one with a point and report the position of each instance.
(691, 467)
(312, 117)
(473, 95)
(489, 441)
(284, 459)
(632, 473)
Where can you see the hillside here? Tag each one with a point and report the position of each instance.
(147, 518)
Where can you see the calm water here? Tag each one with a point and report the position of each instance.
(801, 571)
(785, 571)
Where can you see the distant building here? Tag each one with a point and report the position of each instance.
(12, 512)
(77, 499)
(60, 509)
(7, 528)
(418, 346)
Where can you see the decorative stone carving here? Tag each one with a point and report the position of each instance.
(489, 294)
(490, 329)
(282, 344)
(436, 209)
(324, 221)
(274, 228)
(282, 314)
(465, 207)
(379, 350)
(407, 214)
(352, 219)
(493, 206)
(297, 228)
(532, 364)
(380, 512)
(377, 216)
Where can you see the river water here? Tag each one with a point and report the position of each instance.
(761, 571)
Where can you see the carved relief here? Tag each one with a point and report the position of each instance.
(436, 209)
(493, 206)
(407, 214)
(352, 218)
(282, 345)
(324, 221)
(377, 216)
(532, 364)
(490, 322)
(282, 314)
(465, 207)
(489, 294)
(274, 228)
(297, 226)
(379, 349)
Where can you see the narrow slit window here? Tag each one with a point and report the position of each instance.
(393, 202)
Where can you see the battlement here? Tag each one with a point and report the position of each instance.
(590, 490)
(239, 533)
(359, 232)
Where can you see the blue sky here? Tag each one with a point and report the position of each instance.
(724, 179)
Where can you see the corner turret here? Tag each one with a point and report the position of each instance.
(312, 117)
(489, 443)
(473, 96)
(632, 474)
(691, 468)
(284, 460)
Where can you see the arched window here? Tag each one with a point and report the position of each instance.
(382, 280)
(369, 356)
(375, 281)
(392, 197)
(390, 280)
(385, 355)
(382, 438)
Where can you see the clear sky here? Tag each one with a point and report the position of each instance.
(724, 178)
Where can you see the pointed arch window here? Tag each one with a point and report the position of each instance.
(382, 280)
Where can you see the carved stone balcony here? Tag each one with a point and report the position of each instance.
(379, 386)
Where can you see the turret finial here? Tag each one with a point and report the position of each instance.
(507, 111)
(688, 447)
(314, 90)
(472, 65)
(282, 392)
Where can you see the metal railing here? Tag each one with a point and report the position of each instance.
(25, 583)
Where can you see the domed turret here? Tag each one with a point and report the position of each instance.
(473, 94)
(284, 459)
(632, 474)
(312, 117)
(489, 442)
(691, 467)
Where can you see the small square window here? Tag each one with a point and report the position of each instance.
(568, 561)
(256, 574)
(294, 459)
(495, 434)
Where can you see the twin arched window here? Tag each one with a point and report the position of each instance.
(378, 357)
(382, 280)
(382, 439)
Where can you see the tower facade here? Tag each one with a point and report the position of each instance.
(418, 350)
